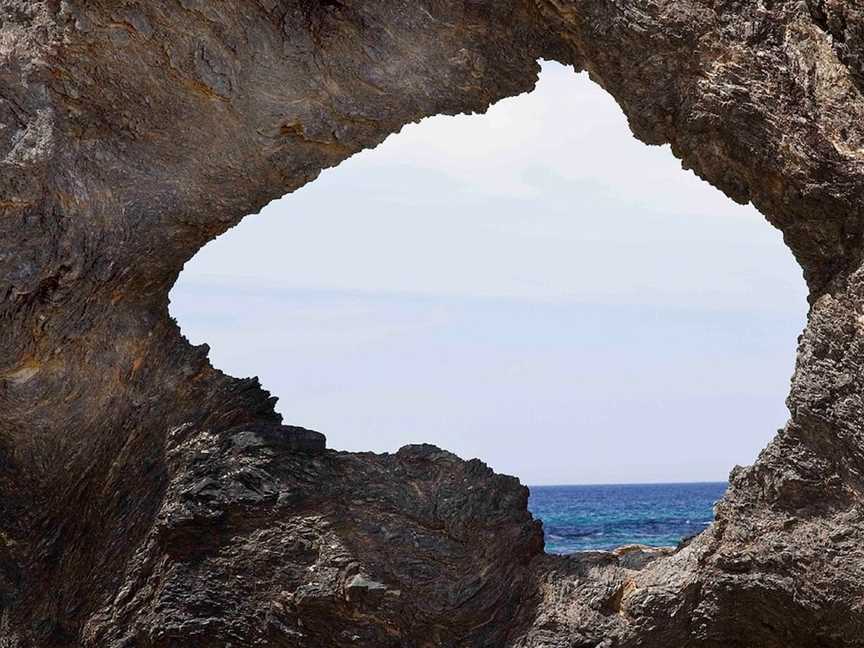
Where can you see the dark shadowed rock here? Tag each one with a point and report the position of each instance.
(148, 500)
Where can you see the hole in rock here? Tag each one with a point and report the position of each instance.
(533, 287)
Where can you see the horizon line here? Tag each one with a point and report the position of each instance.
(672, 483)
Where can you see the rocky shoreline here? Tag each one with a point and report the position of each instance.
(147, 500)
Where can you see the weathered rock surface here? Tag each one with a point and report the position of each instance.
(148, 500)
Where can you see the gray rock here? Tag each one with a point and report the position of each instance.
(147, 499)
(638, 557)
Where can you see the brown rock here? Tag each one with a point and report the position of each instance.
(148, 500)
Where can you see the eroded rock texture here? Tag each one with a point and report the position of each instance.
(148, 500)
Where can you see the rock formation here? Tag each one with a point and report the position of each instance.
(148, 500)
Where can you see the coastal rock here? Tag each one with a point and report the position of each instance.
(638, 557)
(149, 500)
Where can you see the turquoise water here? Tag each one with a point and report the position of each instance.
(577, 518)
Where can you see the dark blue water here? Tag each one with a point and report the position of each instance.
(576, 518)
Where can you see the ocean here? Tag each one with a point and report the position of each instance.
(578, 518)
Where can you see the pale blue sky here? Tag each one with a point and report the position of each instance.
(532, 286)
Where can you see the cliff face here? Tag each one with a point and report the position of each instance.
(146, 499)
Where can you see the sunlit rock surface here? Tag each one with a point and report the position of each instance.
(148, 500)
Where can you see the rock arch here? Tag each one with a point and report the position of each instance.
(150, 500)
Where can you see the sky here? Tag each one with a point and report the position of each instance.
(532, 287)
